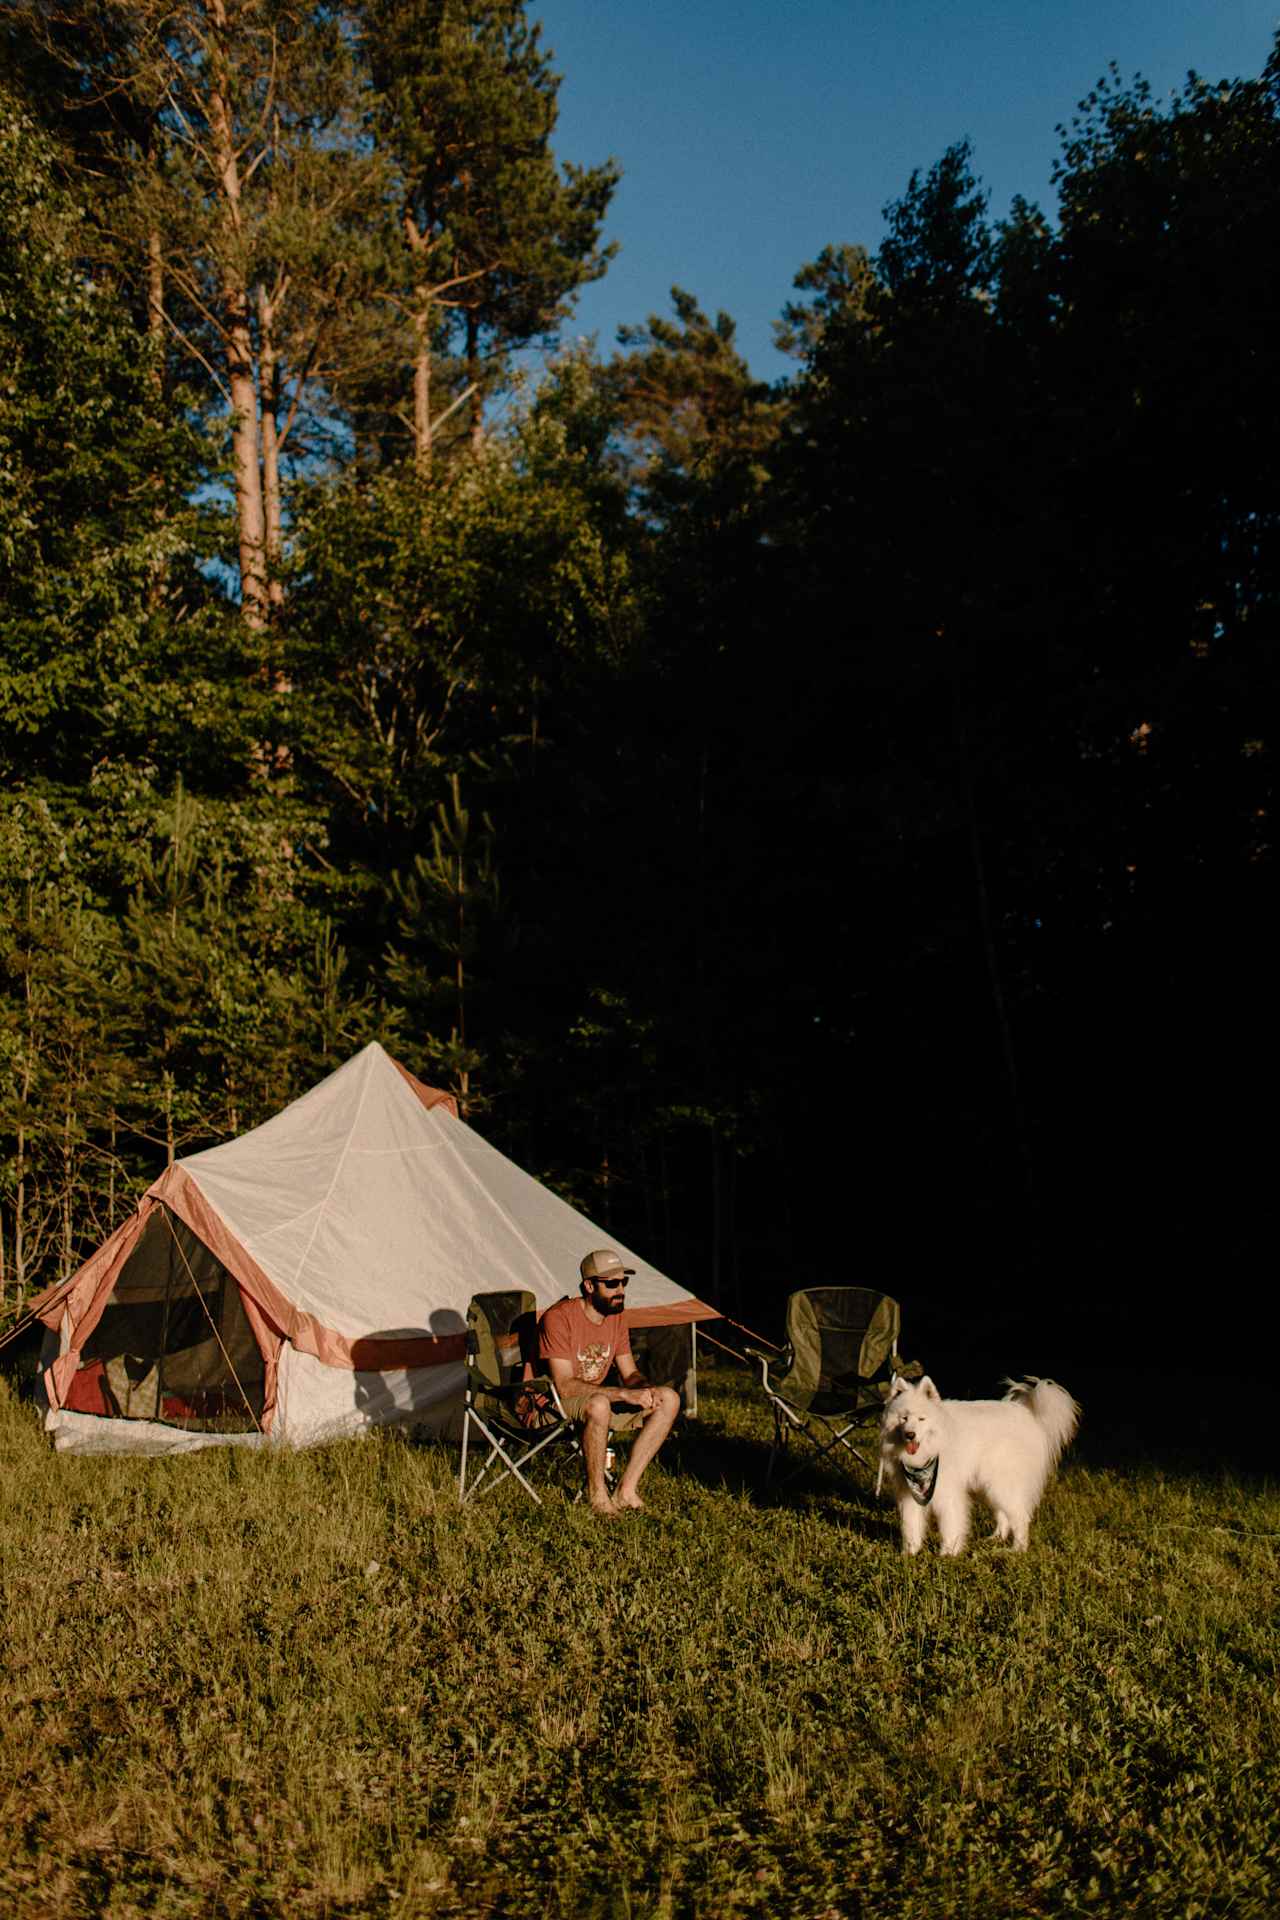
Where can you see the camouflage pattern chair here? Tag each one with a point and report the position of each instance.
(518, 1419)
(833, 1374)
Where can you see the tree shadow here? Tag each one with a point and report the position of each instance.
(395, 1396)
(738, 1464)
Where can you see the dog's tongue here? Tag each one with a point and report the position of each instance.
(913, 1446)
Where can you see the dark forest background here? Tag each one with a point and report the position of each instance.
(824, 829)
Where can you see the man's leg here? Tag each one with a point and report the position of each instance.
(657, 1426)
(595, 1445)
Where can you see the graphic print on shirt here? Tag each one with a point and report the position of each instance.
(593, 1361)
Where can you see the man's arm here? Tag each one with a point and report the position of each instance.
(628, 1373)
(634, 1390)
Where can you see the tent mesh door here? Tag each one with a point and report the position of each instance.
(155, 1355)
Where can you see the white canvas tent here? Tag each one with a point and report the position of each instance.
(312, 1277)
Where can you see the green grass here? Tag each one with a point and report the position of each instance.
(308, 1685)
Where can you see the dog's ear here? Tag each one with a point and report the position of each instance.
(927, 1388)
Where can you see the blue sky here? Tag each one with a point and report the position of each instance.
(752, 135)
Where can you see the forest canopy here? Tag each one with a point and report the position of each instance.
(814, 824)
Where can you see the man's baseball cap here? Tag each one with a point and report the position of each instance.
(603, 1264)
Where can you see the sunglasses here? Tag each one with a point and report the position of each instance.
(612, 1280)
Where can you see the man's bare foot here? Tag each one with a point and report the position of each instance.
(604, 1509)
(629, 1499)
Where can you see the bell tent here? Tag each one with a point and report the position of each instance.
(312, 1277)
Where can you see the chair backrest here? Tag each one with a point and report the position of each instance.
(840, 1339)
(496, 1323)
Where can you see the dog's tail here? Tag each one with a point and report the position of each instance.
(1054, 1409)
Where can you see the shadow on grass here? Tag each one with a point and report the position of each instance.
(718, 1458)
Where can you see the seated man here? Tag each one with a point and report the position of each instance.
(579, 1341)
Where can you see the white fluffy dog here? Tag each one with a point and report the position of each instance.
(936, 1453)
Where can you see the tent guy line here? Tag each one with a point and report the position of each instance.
(209, 1317)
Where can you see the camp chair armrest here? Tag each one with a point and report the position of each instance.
(513, 1391)
(542, 1383)
(766, 1360)
(762, 1360)
(538, 1383)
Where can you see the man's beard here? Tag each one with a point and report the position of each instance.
(609, 1303)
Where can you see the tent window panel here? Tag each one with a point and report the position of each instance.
(155, 1354)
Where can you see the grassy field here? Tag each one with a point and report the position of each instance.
(308, 1685)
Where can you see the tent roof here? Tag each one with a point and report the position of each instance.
(367, 1208)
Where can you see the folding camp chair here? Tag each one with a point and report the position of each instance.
(842, 1347)
(500, 1403)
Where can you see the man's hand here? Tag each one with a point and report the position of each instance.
(643, 1397)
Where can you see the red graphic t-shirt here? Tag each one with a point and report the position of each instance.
(565, 1332)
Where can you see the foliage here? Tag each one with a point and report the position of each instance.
(163, 983)
(95, 536)
(877, 768)
(444, 901)
(698, 425)
(436, 617)
(495, 236)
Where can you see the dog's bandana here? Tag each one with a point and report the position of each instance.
(921, 1481)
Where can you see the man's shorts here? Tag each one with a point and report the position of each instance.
(622, 1419)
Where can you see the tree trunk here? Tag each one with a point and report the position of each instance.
(155, 301)
(68, 1182)
(155, 337)
(170, 1145)
(245, 443)
(269, 381)
(475, 406)
(20, 1215)
(20, 1154)
(422, 385)
(248, 473)
(460, 982)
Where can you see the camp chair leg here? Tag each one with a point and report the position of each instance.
(483, 1484)
(462, 1469)
(510, 1464)
(496, 1453)
(838, 1440)
(779, 1444)
(823, 1448)
(784, 1420)
(514, 1470)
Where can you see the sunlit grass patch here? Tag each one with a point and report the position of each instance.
(309, 1684)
